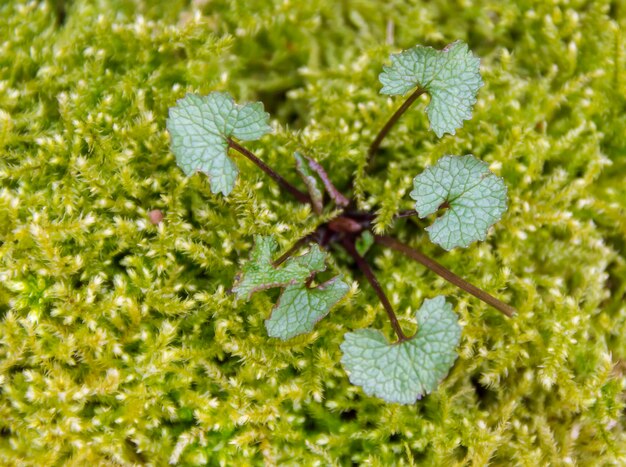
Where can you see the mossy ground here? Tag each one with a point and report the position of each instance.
(119, 342)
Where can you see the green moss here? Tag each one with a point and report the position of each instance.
(119, 341)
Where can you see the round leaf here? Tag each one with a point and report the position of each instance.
(476, 199)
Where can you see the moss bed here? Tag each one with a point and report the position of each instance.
(119, 341)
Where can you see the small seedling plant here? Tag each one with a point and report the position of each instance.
(467, 198)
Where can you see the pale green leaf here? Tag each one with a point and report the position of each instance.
(403, 372)
(317, 196)
(199, 128)
(476, 198)
(451, 77)
(300, 307)
(364, 242)
(259, 273)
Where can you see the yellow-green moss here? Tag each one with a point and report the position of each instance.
(119, 341)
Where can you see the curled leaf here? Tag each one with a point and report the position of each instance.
(317, 196)
(332, 190)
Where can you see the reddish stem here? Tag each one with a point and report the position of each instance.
(407, 213)
(299, 195)
(448, 275)
(390, 123)
(364, 266)
(295, 247)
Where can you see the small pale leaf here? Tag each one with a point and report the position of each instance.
(300, 307)
(199, 128)
(451, 77)
(317, 196)
(259, 273)
(476, 198)
(404, 372)
(364, 242)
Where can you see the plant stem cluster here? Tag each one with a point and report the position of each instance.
(344, 229)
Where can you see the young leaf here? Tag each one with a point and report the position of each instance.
(476, 199)
(317, 196)
(403, 372)
(364, 243)
(200, 126)
(259, 273)
(451, 77)
(300, 307)
(332, 190)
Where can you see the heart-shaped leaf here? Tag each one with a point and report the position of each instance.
(451, 77)
(403, 372)
(475, 197)
(200, 126)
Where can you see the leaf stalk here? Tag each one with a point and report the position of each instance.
(299, 195)
(448, 275)
(295, 247)
(371, 152)
(364, 266)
